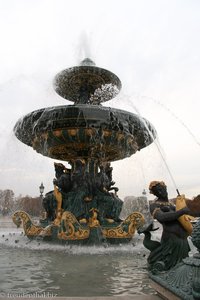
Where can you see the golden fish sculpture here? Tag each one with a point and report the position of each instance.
(185, 220)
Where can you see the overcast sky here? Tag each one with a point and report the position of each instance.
(154, 48)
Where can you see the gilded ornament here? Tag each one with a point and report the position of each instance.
(30, 229)
(127, 228)
(71, 229)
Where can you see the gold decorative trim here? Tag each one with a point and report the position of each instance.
(120, 136)
(93, 222)
(30, 229)
(126, 229)
(57, 133)
(58, 197)
(73, 131)
(107, 132)
(185, 220)
(90, 131)
(71, 229)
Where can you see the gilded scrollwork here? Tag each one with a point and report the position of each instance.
(31, 230)
(126, 229)
(71, 229)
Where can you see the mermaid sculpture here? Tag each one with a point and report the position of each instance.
(173, 246)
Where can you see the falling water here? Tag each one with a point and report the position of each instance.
(156, 142)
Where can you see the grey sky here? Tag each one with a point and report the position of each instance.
(154, 48)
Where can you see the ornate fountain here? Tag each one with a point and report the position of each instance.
(84, 206)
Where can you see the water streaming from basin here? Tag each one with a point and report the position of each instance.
(155, 141)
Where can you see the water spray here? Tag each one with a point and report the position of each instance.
(196, 140)
(158, 146)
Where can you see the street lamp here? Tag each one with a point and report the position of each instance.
(41, 187)
(144, 193)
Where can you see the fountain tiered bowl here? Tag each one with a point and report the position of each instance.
(89, 136)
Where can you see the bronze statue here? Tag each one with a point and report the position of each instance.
(63, 177)
(108, 204)
(173, 246)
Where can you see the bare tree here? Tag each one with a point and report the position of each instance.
(32, 206)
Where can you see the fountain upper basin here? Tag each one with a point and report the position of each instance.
(84, 131)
